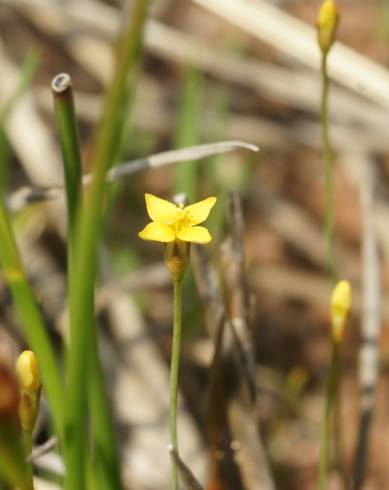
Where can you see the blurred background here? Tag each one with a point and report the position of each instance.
(211, 71)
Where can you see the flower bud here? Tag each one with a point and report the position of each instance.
(176, 259)
(27, 371)
(340, 307)
(28, 411)
(327, 22)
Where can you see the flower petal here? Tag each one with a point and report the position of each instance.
(198, 212)
(157, 232)
(194, 234)
(159, 210)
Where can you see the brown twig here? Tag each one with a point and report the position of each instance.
(229, 403)
(252, 459)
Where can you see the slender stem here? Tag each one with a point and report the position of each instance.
(174, 368)
(329, 163)
(331, 395)
(27, 441)
(329, 233)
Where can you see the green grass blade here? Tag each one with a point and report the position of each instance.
(214, 167)
(31, 319)
(70, 145)
(27, 72)
(82, 295)
(68, 133)
(105, 454)
(188, 133)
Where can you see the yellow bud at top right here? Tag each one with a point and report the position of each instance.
(327, 22)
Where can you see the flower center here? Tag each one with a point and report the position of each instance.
(181, 220)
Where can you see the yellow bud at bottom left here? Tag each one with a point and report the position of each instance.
(27, 371)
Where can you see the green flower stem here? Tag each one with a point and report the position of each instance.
(331, 396)
(329, 164)
(27, 441)
(88, 231)
(174, 369)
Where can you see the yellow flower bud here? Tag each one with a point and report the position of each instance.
(176, 258)
(340, 307)
(27, 371)
(327, 23)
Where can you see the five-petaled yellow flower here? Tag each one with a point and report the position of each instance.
(171, 222)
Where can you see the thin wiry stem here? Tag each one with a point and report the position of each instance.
(27, 442)
(329, 165)
(331, 395)
(174, 369)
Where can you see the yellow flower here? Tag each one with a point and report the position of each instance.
(177, 223)
(327, 22)
(340, 308)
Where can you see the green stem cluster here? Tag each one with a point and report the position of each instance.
(84, 224)
(88, 231)
(103, 440)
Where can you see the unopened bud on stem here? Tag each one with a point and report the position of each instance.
(176, 259)
(340, 308)
(327, 22)
(27, 372)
